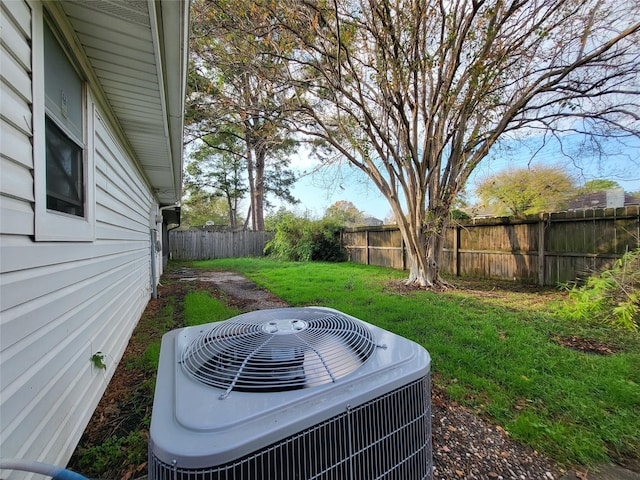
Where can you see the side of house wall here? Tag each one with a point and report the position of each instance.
(61, 302)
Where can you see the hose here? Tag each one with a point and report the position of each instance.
(56, 473)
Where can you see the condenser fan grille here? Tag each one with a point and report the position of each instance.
(276, 350)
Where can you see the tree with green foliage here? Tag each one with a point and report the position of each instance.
(415, 93)
(200, 207)
(525, 191)
(344, 213)
(216, 169)
(599, 185)
(227, 96)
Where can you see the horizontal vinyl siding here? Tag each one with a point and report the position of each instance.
(15, 110)
(16, 145)
(16, 217)
(16, 181)
(62, 302)
(16, 26)
(16, 155)
(102, 323)
(15, 73)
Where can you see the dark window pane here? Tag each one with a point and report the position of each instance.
(64, 172)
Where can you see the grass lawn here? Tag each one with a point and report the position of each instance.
(503, 352)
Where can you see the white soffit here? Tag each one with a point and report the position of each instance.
(131, 45)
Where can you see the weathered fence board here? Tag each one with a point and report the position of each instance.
(206, 245)
(546, 249)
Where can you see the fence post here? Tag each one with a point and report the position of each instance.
(456, 251)
(367, 241)
(565, 236)
(541, 248)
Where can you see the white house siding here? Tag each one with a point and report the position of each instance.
(16, 160)
(61, 302)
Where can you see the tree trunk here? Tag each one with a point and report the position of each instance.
(424, 253)
(252, 185)
(232, 213)
(258, 203)
(247, 218)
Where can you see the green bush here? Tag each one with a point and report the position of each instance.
(613, 296)
(326, 244)
(301, 239)
(291, 240)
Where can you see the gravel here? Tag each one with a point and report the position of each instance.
(467, 447)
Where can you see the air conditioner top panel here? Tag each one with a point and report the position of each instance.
(276, 350)
(207, 419)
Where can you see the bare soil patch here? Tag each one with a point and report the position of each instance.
(587, 345)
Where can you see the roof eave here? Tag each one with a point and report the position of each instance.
(172, 48)
(137, 67)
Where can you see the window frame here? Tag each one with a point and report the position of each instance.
(52, 225)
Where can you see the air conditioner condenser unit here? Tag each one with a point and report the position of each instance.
(290, 393)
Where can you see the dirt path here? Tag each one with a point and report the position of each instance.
(243, 291)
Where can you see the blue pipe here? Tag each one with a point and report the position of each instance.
(56, 473)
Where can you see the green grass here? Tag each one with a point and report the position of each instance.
(495, 354)
(200, 307)
(163, 322)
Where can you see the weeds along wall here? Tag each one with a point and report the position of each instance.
(546, 249)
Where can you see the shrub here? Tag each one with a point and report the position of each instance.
(289, 242)
(301, 239)
(326, 244)
(613, 296)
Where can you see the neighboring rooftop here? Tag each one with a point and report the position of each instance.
(611, 198)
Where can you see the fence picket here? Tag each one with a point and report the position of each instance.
(546, 249)
(205, 245)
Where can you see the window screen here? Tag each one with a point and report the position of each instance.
(64, 130)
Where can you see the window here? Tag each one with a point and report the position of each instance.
(62, 125)
(63, 130)
(65, 188)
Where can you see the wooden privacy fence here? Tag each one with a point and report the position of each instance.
(206, 245)
(546, 249)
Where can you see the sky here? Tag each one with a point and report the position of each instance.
(322, 189)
